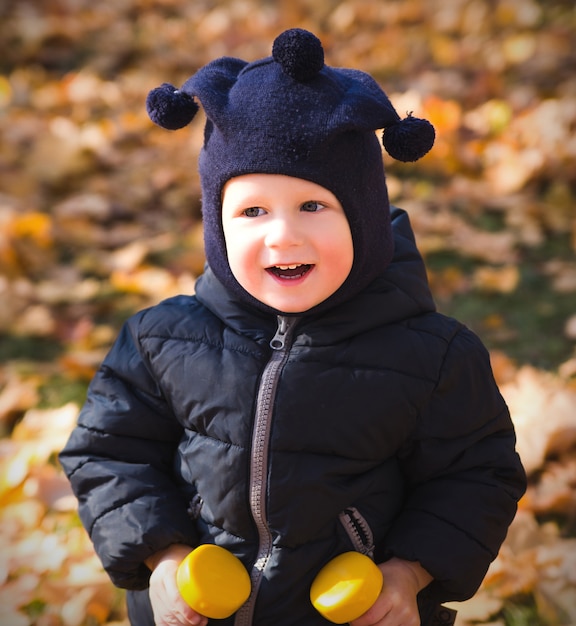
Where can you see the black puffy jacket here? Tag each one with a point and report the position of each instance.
(376, 427)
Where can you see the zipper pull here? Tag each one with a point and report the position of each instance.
(278, 341)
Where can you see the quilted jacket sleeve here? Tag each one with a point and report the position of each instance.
(464, 475)
(119, 462)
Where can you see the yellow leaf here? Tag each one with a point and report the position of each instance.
(15, 467)
(480, 608)
(20, 514)
(554, 492)
(445, 115)
(50, 426)
(5, 92)
(17, 395)
(492, 117)
(497, 279)
(154, 282)
(50, 487)
(519, 48)
(494, 321)
(34, 226)
(74, 610)
(18, 593)
(556, 589)
(511, 574)
(531, 395)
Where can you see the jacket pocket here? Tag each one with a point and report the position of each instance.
(358, 530)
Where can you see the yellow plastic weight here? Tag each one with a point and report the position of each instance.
(346, 587)
(213, 581)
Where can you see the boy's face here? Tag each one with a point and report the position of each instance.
(288, 240)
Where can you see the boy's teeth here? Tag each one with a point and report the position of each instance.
(287, 267)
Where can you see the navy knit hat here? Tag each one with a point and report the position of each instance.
(291, 114)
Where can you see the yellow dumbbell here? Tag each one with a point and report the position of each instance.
(346, 587)
(213, 581)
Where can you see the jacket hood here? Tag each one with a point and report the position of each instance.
(400, 292)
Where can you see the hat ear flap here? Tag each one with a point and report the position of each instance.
(409, 139)
(170, 108)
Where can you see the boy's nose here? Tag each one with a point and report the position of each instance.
(283, 232)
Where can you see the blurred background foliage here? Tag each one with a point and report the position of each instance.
(99, 217)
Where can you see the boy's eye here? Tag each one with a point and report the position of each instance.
(253, 211)
(312, 206)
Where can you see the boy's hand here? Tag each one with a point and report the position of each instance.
(167, 604)
(396, 605)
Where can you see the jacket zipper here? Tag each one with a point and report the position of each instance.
(259, 460)
(358, 530)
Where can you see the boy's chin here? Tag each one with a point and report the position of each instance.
(288, 305)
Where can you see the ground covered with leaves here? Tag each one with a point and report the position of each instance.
(99, 217)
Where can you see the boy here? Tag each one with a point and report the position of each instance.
(308, 400)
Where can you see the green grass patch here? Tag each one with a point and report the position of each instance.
(522, 611)
(59, 390)
(530, 321)
(26, 348)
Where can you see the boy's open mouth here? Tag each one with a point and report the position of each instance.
(289, 272)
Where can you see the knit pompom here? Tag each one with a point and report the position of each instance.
(409, 139)
(300, 54)
(170, 108)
